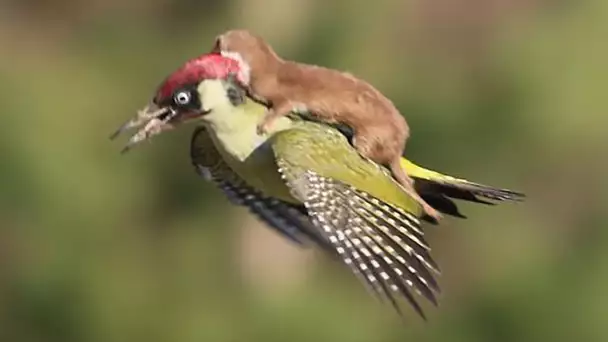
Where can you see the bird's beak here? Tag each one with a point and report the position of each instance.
(151, 121)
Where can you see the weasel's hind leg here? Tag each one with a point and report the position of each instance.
(367, 149)
(408, 185)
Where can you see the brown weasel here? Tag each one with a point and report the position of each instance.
(380, 131)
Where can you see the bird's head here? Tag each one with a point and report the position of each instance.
(187, 94)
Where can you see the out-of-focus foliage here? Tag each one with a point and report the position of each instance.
(95, 246)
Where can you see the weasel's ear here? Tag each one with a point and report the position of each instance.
(217, 46)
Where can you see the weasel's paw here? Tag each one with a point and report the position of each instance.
(436, 215)
(263, 127)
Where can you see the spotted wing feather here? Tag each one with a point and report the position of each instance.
(381, 244)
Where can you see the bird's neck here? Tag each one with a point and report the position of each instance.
(235, 128)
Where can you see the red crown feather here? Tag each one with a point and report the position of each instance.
(207, 66)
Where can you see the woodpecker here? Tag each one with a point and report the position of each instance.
(304, 178)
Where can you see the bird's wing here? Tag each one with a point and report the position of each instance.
(288, 219)
(372, 223)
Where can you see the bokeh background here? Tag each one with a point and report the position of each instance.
(95, 246)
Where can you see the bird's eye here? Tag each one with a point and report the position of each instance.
(182, 98)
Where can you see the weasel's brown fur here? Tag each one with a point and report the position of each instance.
(380, 131)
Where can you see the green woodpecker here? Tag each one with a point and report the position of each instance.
(305, 179)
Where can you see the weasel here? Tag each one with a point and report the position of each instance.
(380, 131)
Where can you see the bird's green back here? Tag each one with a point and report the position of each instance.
(322, 149)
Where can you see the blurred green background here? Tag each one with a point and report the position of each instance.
(95, 246)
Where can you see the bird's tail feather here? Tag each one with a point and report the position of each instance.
(438, 190)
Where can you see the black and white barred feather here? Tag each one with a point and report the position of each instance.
(383, 245)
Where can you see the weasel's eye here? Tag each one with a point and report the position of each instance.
(182, 98)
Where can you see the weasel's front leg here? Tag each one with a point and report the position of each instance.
(278, 109)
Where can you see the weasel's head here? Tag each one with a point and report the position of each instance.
(246, 47)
